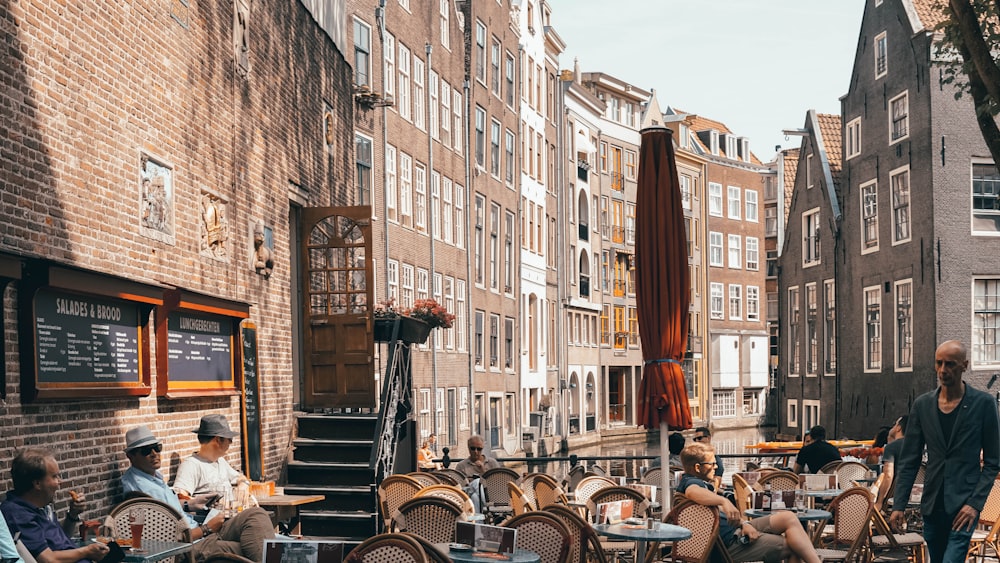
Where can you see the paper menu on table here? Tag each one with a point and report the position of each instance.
(484, 537)
(614, 512)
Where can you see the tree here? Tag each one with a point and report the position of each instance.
(971, 29)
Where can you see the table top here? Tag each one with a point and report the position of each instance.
(639, 532)
(289, 500)
(519, 555)
(809, 514)
(824, 493)
(155, 550)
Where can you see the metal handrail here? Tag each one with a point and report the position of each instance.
(395, 387)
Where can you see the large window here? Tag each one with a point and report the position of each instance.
(985, 199)
(480, 243)
(509, 156)
(494, 246)
(753, 303)
(869, 217)
(735, 302)
(735, 252)
(390, 182)
(735, 202)
(445, 12)
(461, 321)
(418, 93)
(481, 52)
(717, 300)
(406, 286)
(793, 332)
(873, 329)
(723, 403)
(406, 189)
(751, 206)
(899, 118)
(495, 66)
(420, 197)
(715, 249)
(403, 101)
(495, 149)
(770, 221)
(853, 139)
(812, 342)
(986, 322)
(715, 199)
(479, 343)
(810, 241)
(900, 182)
(881, 55)
(904, 324)
(389, 65)
(753, 253)
(509, 78)
(494, 341)
(363, 156)
(480, 136)
(830, 328)
(362, 53)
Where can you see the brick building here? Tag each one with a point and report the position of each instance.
(138, 166)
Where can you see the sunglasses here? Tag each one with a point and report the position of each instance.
(146, 450)
(475, 449)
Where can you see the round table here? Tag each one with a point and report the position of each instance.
(519, 555)
(813, 517)
(642, 535)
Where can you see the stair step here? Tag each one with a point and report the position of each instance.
(337, 426)
(314, 473)
(322, 450)
(347, 524)
(340, 499)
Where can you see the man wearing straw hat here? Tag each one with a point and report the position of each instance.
(243, 534)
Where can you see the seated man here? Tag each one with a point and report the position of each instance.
(242, 534)
(817, 453)
(28, 510)
(755, 540)
(477, 463)
(207, 470)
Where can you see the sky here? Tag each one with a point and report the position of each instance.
(755, 65)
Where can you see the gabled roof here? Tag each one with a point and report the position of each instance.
(791, 162)
(930, 12)
(697, 123)
(826, 132)
(830, 127)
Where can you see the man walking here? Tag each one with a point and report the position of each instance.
(957, 424)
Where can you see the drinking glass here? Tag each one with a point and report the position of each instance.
(800, 499)
(136, 520)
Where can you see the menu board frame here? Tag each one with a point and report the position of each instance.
(91, 288)
(227, 315)
(10, 270)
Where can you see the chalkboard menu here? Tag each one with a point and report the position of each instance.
(199, 351)
(252, 448)
(86, 341)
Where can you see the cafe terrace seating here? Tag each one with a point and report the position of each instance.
(830, 468)
(988, 536)
(640, 504)
(741, 491)
(434, 555)
(425, 479)
(494, 482)
(585, 545)
(431, 518)
(884, 542)
(542, 532)
(573, 477)
(590, 485)
(779, 481)
(388, 548)
(850, 471)
(452, 494)
(518, 502)
(393, 491)
(162, 522)
(527, 485)
(653, 476)
(852, 513)
(703, 521)
(455, 477)
(548, 492)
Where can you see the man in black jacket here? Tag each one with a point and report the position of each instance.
(818, 453)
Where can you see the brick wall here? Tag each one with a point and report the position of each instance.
(89, 89)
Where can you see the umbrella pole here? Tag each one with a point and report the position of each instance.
(665, 474)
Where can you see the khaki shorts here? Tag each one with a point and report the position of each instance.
(770, 547)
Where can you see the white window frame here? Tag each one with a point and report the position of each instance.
(829, 328)
(405, 189)
(810, 412)
(903, 299)
(391, 193)
(735, 252)
(794, 331)
(792, 411)
(392, 279)
(752, 207)
(724, 403)
(403, 100)
(479, 53)
(734, 198)
(753, 254)
(717, 300)
(716, 257)
(872, 293)
(444, 10)
(869, 211)
(905, 97)
(810, 230)
(418, 93)
(363, 47)
(812, 329)
(753, 303)
(902, 208)
(420, 196)
(715, 199)
(985, 320)
(447, 212)
(809, 174)
(389, 65)
(852, 139)
(881, 52)
(406, 275)
(984, 197)
(735, 302)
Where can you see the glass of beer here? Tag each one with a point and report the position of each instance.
(136, 520)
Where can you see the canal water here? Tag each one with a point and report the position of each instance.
(726, 442)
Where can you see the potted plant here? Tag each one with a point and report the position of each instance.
(415, 323)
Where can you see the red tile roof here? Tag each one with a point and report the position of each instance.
(930, 12)
(830, 129)
(791, 167)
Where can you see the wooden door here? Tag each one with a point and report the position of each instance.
(338, 294)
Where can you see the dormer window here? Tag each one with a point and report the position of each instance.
(714, 142)
(685, 132)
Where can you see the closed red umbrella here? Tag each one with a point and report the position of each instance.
(663, 290)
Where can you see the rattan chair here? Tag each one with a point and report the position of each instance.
(527, 485)
(598, 470)
(640, 504)
(830, 468)
(425, 479)
(162, 522)
(450, 493)
(653, 476)
(494, 482)
(519, 503)
(459, 479)
(780, 481)
(850, 471)
(434, 555)
(988, 536)
(590, 485)
(544, 533)
(393, 491)
(703, 521)
(573, 477)
(547, 492)
(585, 545)
(741, 491)
(432, 518)
(884, 542)
(387, 548)
(852, 512)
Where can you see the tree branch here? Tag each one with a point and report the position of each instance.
(975, 50)
(984, 117)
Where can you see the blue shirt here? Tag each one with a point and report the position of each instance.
(156, 487)
(7, 548)
(38, 526)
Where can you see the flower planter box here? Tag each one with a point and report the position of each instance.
(411, 330)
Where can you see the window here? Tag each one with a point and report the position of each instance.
(830, 328)
(392, 273)
(899, 118)
(630, 164)
(495, 149)
(716, 304)
(810, 245)
(633, 326)
(986, 322)
(734, 202)
(389, 62)
(508, 247)
(423, 279)
(362, 53)
(809, 174)
(869, 217)
(479, 343)
(456, 114)
(735, 302)
(810, 413)
(433, 105)
(481, 52)
(390, 181)
(445, 113)
(459, 216)
(723, 403)
(735, 252)
(715, 249)
(425, 413)
(405, 4)
(899, 180)
(406, 286)
(772, 311)
(406, 189)
(449, 305)
(445, 11)
(418, 93)
(753, 303)
(509, 155)
(715, 199)
(508, 343)
(753, 254)
(480, 136)
(480, 239)
(403, 101)
(881, 55)
(751, 402)
(436, 205)
(461, 321)
(985, 199)
(853, 139)
(463, 408)
(793, 332)
(770, 221)
(495, 66)
(751, 206)
(509, 78)
(686, 191)
(494, 246)
(812, 343)
(873, 329)
(494, 341)
(363, 158)
(446, 210)
(793, 413)
(904, 325)
(420, 198)
(606, 325)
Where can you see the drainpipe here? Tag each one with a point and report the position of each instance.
(469, 209)
(430, 232)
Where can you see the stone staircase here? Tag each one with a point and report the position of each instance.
(331, 458)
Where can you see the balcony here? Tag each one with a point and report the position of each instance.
(584, 230)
